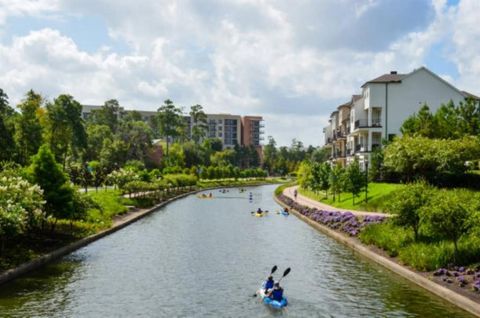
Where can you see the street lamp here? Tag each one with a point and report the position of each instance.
(366, 180)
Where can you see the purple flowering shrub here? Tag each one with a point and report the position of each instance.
(345, 222)
(464, 276)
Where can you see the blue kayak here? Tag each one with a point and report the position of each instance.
(285, 213)
(270, 302)
(275, 303)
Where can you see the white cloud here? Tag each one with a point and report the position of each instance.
(10, 8)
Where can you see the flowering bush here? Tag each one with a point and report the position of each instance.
(21, 205)
(346, 222)
(121, 177)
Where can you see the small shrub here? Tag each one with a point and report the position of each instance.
(387, 236)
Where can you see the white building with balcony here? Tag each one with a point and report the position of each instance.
(385, 103)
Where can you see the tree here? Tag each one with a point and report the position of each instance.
(98, 173)
(96, 136)
(66, 132)
(58, 193)
(324, 177)
(436, 160)
(269, 155)
(337, 180)
(448, 215)
(355, 179)
(420, 124)
(304, 175)
(469, 117)
(170, 120)
(198, 123)
(28, 133)
(137, 137)
(407, 203)
(108, 114)
(7, 143)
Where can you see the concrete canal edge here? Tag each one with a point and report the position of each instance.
(67, 249)
(445, 293)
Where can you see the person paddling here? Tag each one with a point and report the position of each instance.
(276, 293)
(269, 283)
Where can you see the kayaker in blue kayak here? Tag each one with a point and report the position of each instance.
(269, 283)
(276, 293)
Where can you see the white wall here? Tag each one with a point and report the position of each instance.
(415, 90)
(407, 97)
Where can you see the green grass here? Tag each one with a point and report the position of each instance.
(110, 202)
(386, 236)
(378, 195)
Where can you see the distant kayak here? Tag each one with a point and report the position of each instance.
(204, 196)
(285, 213)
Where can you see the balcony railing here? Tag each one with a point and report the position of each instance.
(363, 123)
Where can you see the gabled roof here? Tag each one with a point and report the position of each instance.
(387, 78)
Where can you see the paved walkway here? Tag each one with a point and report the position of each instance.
(303, 200)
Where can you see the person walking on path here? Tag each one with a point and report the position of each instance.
(295, 193)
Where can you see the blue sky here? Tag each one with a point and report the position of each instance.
(292, 64)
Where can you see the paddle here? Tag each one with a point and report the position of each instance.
(285, 273)
(274, 269)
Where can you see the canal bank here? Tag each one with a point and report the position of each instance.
(457, 299)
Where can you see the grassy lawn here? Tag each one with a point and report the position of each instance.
(111, 203)
(378, 195)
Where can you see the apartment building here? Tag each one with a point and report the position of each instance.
(231, 129)
(358, 127)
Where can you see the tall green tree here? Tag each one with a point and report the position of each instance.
(170, 121)
(355, 179)
(421, 123)
(270, 154)
(58, 193)
(137, 135)
(29, 131)
(66, 132)
(109, 114)
(337, 180)
(7, 131)
(198, 123)
(469, 117)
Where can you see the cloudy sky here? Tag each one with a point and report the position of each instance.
(291, 61)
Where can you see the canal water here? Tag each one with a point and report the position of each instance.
(206, 258)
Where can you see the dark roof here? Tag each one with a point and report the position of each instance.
(387, 78)
(467, 94)
(355, 98)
